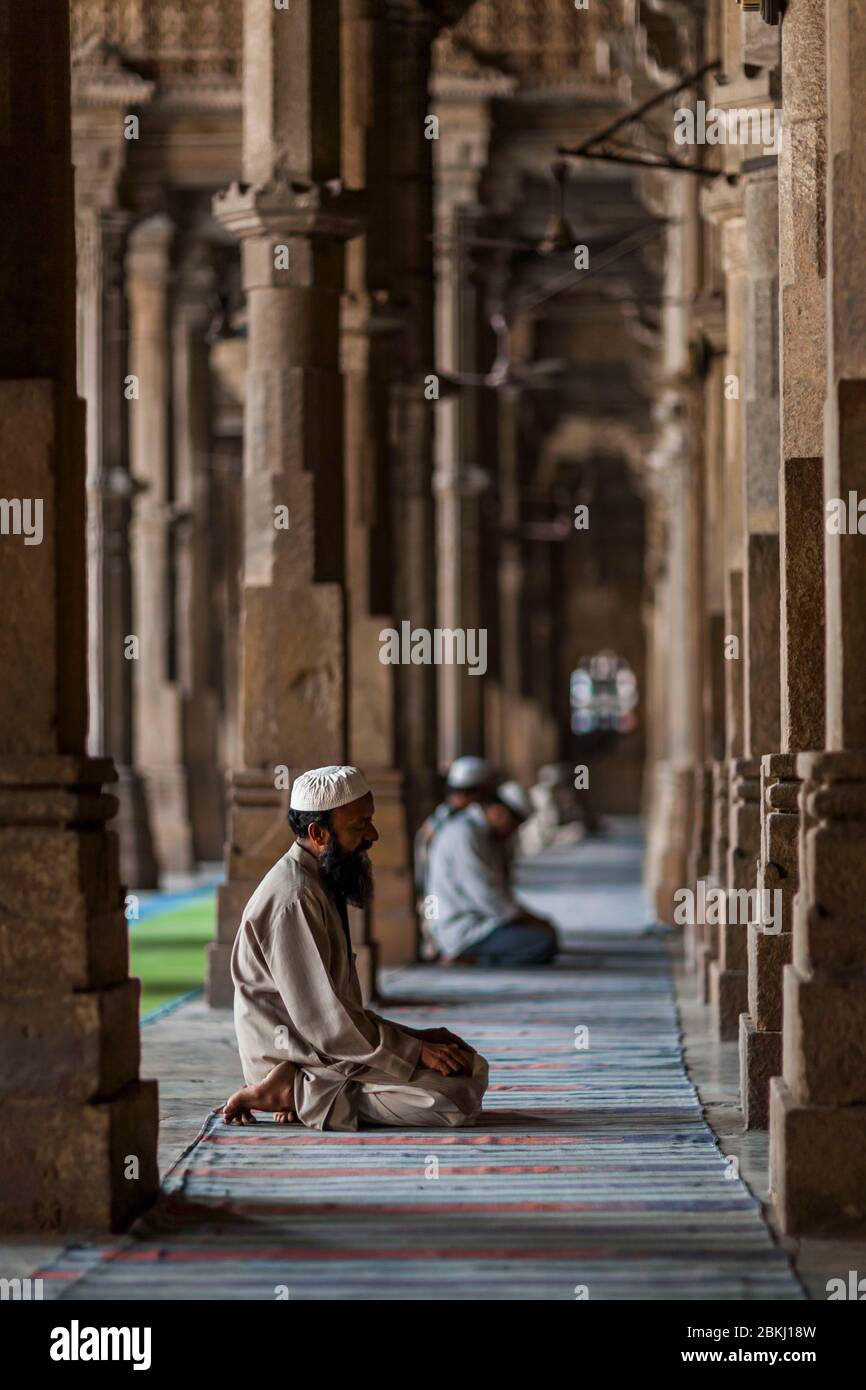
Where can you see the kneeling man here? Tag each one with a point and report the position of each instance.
(478, 919)
(308, 1045)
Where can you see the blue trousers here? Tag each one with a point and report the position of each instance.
(515, 944)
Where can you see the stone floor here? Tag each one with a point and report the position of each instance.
(630, 1088)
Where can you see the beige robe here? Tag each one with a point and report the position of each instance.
(298, 999)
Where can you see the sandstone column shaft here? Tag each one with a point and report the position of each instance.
(759, 634)
(78, 1140)
(411, 33)
(801, 535)
(102, 357)
(158, 714)
(193, 493)
(459, 155)
(292, 223)
(818, 1107)
(369, 328)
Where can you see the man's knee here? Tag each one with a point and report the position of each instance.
(462, 1109)
(462, 1096)
(551, 942)
(544, 945)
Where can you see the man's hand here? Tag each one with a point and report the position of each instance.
(444, 1035)
(448, 1058)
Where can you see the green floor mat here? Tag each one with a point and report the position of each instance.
(167, 951)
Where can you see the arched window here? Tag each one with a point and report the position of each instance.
(603, 695)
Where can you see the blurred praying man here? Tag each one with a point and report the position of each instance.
(477, 919)
(469, 779)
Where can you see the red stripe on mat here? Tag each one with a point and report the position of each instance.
(245, 1254)
(426, 1139)
(418, 1208)
(376, 1172)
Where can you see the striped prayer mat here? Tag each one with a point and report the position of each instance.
(592, 1173)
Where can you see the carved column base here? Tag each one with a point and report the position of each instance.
(73, 1104)
(760, 1061)
(169, 816)
(704, 958)
(817, 1164)
(721, 829)
(728, 974)
(668, 850)
(708, 947)
(696, 936)
(728, 994)
(206, 793)
(138, 866)
(769, 950)
(818, 1111)
(394, 925)
(47, 1147)
(204, 779)
(218, 988)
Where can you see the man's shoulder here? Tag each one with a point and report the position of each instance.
(436, 819)
(462, 828)
(289, 883)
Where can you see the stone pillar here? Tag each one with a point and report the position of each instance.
(191, 419)
(292, 220)
(460, 154)
(75, 1114)
(228, 357)
(802, 169)
(102, 341)
(752, 609)
(542, 644)
(722, 207)
(511, 751)
(702, 866)
(717, 413)
(103, 92)
(748, 49)
(369, 328)
(818, 1106)
(676, 462)
(412, 28)
(158, 712)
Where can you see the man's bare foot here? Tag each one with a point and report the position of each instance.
(276, 1093)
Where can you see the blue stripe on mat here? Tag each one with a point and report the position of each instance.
(157, 904)
(170, 1005)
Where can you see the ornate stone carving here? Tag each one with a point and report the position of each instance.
(177, 39)
(533, 40)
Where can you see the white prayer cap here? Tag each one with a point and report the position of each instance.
(466, 774)
(512, 795)
(325, 788)
(552, 774)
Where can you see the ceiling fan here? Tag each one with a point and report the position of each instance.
(558, 237)
(504, 372)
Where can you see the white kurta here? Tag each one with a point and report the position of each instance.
(298, 999)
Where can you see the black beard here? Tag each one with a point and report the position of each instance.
(347, 873)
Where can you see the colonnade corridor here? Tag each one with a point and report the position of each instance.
(590, 1175)
(433, 534)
